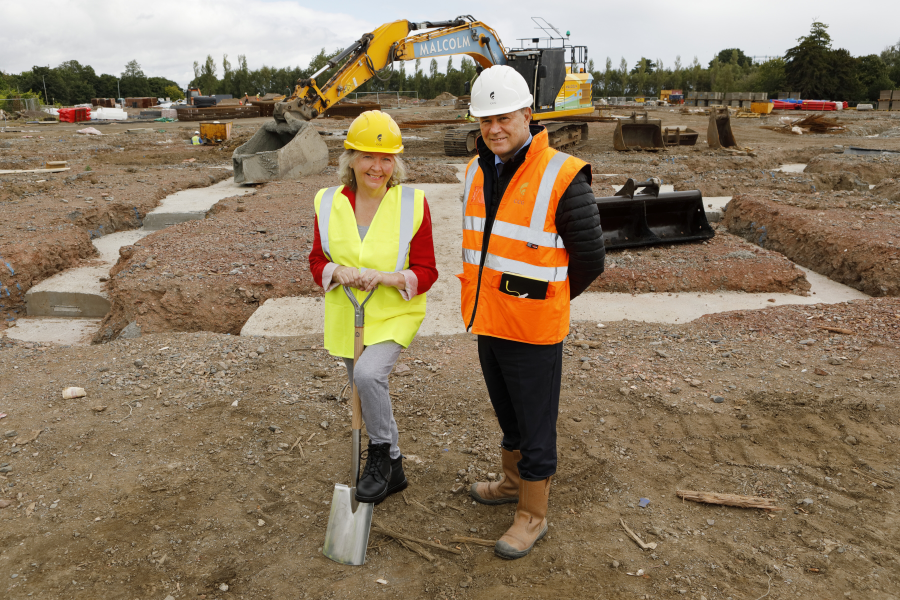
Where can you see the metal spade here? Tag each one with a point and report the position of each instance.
(349, 521)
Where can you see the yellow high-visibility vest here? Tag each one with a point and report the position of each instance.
(385, 248)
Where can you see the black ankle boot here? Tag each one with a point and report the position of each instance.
(398, 481)
(373, 485)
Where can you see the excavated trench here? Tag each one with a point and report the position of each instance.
(68, 307)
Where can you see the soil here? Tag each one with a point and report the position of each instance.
(857, 247)
(199, 459)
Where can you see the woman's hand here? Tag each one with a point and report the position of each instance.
(372, 278)
(349, 276)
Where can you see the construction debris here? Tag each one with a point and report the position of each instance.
(810, 124)
(728, 499)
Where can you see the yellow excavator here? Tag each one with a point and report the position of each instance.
(289, 147)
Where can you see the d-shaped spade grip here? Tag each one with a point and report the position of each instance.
(359, 309)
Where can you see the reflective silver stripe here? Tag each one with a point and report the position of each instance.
(472, 257)
(526, 234)
(507, 265)
(407, 222)
(470, 177)
(473, 223)
(542, 200)
(325, 216)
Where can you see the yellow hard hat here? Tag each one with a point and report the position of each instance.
(374, 131)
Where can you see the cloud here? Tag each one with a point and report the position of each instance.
(167, 37)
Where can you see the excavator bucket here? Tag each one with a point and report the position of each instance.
(638, 132)
(650, 218)
(719, 134)
(280, 150)
(680, 136)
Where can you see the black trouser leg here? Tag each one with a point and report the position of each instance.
(523, 381)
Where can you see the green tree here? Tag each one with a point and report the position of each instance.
(769, 77)
(134, 83)
(807, 65)
(733, 55)
(873, 76)
(107, 86)
(205, 76)
(78, 82)
(174, 93)
(844, 81)
(891, 58)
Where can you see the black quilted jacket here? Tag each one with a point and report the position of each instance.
(577, 217)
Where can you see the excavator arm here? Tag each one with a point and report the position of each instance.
(391, 42)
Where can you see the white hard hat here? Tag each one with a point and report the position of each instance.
(499, 90)
(196, 132)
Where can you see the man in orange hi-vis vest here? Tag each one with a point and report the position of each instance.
(531, 242)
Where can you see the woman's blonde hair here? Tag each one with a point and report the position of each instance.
(348, 177)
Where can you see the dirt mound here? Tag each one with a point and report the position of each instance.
(211, 275)
(855, 247)
(724, 263)
(889, 189)
(419, 172)
(868, 168)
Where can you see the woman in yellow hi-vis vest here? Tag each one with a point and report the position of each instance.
(373, 233)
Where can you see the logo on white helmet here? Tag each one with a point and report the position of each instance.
(492, 95)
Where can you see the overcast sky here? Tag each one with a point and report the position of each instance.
(167, 36)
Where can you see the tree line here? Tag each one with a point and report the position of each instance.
(812, 67)
(72, 83)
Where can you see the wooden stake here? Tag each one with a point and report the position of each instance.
(728, 499)
(414, 547)
(409, 538)
(634, 536)
(462, 539)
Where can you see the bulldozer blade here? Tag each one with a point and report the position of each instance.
(638, 132)
(680, 136)
(678, 217)
(650, 218)
(719, 133)
(280, 150)
(624, 223)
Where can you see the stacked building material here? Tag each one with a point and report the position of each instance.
(104, 102)
(142, 102)
(74, 115)
(191, 113)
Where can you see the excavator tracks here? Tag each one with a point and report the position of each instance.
(460, 141)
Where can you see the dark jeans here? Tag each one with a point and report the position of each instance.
(523, 381)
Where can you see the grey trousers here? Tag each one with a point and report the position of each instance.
(371, 375)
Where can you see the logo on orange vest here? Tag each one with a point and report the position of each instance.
(478, 195)
(522, 190)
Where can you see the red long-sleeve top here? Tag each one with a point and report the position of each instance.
(421, 252)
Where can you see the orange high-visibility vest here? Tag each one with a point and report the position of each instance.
(523, 241)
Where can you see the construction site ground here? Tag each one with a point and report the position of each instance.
(201, 464)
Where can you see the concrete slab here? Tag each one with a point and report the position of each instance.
(79, 292)
(791, 168)
(191, 205)
(71, 332)
(299, 316)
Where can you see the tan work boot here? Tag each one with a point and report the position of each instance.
(529, 524)
(507, 489)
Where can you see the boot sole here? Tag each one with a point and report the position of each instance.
(505, 551)
(397, 488)
(480, 499)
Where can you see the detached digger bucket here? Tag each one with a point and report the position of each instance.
(719, 134)
(630, 220)
(280, 150)
(638, 132)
